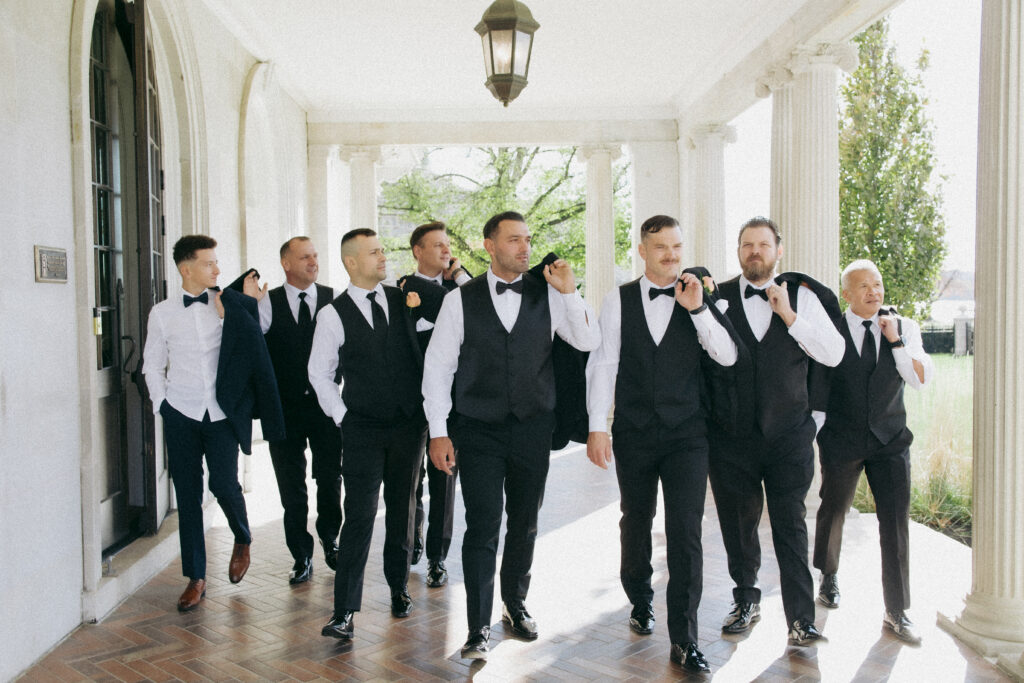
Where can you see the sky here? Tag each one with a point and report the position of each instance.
(950, 30)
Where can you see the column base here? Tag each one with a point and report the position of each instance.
(992, 626)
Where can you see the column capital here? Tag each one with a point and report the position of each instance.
(357, 152)
(809, 57)
(588, 151)
(711, 132)
(776, 77)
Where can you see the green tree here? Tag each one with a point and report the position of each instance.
(546, 185)
(890, 201)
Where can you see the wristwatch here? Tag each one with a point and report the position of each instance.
(899, 343)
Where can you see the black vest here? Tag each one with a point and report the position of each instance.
(380, 381)
(502, 373)
(660, 381)
(289, 346)
(859, 403)
(772, 391)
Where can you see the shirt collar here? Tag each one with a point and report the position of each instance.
(853, 319)
(360, 292)
(493, 280)
(436, 279)
(646, 285)
(744, 282)
(295, 291)
(209, 296)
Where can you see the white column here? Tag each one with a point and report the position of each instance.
(600, 221)
(778, 84)
(363, 184)
(655, 168)
(709, 194)
(993, 617)
(806, 171)
(317, 193)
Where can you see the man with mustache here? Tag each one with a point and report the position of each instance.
(866, 430)
(770, 442)
(367, 336)
(654, 332)
(493, 341)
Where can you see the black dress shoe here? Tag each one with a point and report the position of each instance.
(401, 603)
(302, 571)
(519, 621)
(417, 547)
(437, 574)
(330, 553)
(805, 633)
(641, 619)
(742, 617)
(828, 591)
(901, 627)
(476, 644)
(690, 658)
(340, 626)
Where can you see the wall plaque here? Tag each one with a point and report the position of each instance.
(51, 264)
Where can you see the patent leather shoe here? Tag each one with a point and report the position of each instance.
(519, 621)
(901, 627)
(401, 603)
(340, 626)
(330, 554)
(437, 574)
(476, 644)
(194, 593)
(239, 563)
(302, 571)
(828, 591)
(641, 619)
(417, 547)
(690, 658)
(742, 617)
(804, 633)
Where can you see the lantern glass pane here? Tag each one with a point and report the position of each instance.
(501, 44)
(486, 38)
(522, 52)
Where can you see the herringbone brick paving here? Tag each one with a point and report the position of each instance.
(265, 630)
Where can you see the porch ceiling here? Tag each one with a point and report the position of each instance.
(399, 60)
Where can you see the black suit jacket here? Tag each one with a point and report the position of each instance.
(431, 297)
(246, 386)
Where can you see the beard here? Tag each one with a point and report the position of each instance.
(758, 270)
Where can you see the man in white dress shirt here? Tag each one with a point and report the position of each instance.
(493, 342)
(367, 335)
(654, 332)
(866, 430)
(770, 443)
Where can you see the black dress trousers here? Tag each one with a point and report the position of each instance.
(441, 516)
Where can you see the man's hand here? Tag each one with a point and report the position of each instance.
(559, 275)
(778, 299)
(219, 304)
(689, 294)
(890, 328)
(251, 287)
(442, 454)
(449, 272)
(599, 449)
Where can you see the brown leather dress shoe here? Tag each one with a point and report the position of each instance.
(239, 562)
(195, 592)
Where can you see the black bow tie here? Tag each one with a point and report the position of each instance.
(654, 292)
(754, 291)
(189, 300)
(502, 287)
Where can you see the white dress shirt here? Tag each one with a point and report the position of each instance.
(904, 357)
(422, 325)
(181, 354)
(571, 318)
(603, 365)
(812, 330)
(291, 293)
(328, 337)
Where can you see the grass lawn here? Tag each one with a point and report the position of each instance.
(941, 417)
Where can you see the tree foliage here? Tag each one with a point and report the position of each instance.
(546, 185)
(890, 199)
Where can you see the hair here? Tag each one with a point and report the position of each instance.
(854, 266)
(656, 224)
(421, 231)
(761, 222)
(491, 226)
(351, 235)
(185, 249)
(286, 247)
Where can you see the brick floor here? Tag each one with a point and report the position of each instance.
(264, 630)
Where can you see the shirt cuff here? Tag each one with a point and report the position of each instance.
(599, 423)
(438, 428)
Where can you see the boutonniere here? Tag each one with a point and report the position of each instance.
(412, 299)
(709, 284)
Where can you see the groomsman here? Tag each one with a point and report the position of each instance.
(367, 335)
(866, 430)
(493, 340)
(781, 329)
(437, 273)
(288, 318)
(654, 331)
(207, 394)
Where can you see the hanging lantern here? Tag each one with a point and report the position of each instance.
(507, 29)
